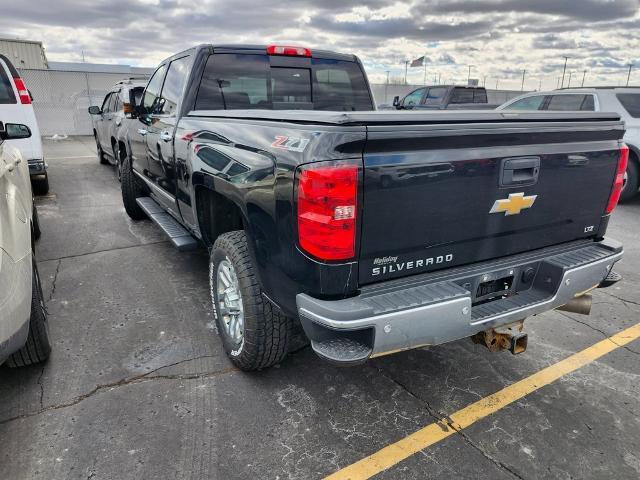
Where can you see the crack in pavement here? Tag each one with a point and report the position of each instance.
(595, 329)
(632, 302)
(143, 378)
(102, 251)
(55, 279)
(39, 382)
(444, 422)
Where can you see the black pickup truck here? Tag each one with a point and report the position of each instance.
(375, 231)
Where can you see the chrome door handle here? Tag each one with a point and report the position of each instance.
(142, 131)
(166, 136)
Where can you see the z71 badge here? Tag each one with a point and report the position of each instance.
(290, 143)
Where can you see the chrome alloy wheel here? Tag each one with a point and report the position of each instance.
(230, 306)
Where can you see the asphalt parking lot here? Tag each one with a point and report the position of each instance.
(138, 385)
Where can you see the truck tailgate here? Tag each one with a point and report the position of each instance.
(439, 194)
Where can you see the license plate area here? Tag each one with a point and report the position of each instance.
(492, 289)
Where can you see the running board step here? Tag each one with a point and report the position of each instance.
(178, 235)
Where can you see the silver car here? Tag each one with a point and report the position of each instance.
(625, 101)
(24, 332)
(107, 119)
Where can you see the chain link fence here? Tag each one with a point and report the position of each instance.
(61, 99)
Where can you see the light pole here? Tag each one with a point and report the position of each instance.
(484, 81)
(386, 86)
(469, 75)
(569, 82)
(497, 80)
(558, 83)
(522, 86)
(584, 74)
(629, 73)
(406, 67)
(564, 70)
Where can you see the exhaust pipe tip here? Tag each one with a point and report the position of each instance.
(580, 305)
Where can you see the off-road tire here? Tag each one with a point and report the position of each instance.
(631, 187)
(35, 223)
(132, 188)
(38, 347)
(266, 330)
(40, 184)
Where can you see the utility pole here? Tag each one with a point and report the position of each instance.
(540, 85)
(386, 86)
(569, 83)
(564, 70)
(522, 86)
(469, 76)
(484, 81)
(584, 74)
(438, 78)
(497, 80)
(406, 67)
(629, 73)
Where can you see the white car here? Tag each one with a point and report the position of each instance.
(625, 101)
(16, 107)
(24, 332)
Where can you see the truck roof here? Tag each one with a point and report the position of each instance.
(383, 117)
(259, 49)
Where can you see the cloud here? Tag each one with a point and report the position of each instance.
(498, 37)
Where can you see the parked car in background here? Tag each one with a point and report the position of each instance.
(625, 101)
(107, 119)
(24, 333)
(445, 97)
(15, 106)
(375, 231)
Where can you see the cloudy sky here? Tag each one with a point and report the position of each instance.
(499, 38)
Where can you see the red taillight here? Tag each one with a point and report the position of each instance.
(288, 50)
(23, 93)
(327, 196)
(619, 179)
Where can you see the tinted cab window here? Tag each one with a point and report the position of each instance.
(173, 84)
(151, 100)
(414, 98)
(247, 81)
(435, 96)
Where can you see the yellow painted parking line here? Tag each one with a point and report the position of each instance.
(431, 434)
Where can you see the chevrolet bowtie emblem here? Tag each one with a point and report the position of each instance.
(514, 204)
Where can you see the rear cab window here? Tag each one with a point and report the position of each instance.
(630, 102)
(251, 81)
(6, 87)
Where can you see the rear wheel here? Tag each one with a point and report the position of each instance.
(132, 188)
(38, 347)
(630, 188)
(254, 333)
(40, 184)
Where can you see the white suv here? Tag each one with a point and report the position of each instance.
(24, 332)
(625, 101)
(15, 106)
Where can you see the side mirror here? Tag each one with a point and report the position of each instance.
(94, 110)
(396, 101)
(14, 131)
